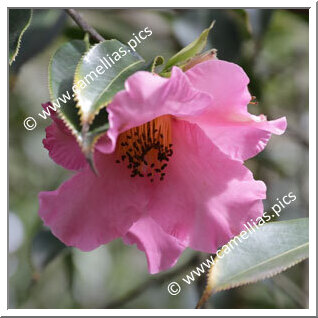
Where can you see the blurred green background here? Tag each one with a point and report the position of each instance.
(271, 45)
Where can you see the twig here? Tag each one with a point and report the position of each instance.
(152, 282)
(84, 25)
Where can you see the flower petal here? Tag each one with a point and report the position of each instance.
(63, 147)
(88, 210)
(49, 109)
(240, 136)
(225, 81)
(147, 96)
(162, 250)
(228, 123)
(206, 197)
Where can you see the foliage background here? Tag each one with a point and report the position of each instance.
(271, 45)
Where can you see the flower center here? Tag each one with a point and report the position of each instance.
(146, 149)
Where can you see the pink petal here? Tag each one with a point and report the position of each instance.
(162, 250)
(88, 210)
(147, 96)
(206, 197)
(241, 137)
(54, 116)
(227, 122)
(63, 147)
(61, 144)
(225, 81)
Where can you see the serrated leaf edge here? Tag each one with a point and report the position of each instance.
(79, 137)
(273, 258)
(89, 152)
(209, 290)
(76, 79)
(15, 54)
(75, 133)
(157, 63)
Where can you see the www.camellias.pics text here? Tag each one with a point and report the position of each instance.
(169, 164)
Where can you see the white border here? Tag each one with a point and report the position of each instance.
(312, 166)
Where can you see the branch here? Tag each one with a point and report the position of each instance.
(84, 25)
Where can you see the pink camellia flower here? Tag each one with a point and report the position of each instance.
(171, 166)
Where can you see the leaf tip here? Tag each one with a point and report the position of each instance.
(212, 24)
(90, 160)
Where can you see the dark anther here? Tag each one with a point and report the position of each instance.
(137, 146)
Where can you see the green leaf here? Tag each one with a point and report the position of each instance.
(153, 64)
(158, 60)
(45, 247)
(271, 249)
(19, 20)
(61, 76)
(98, 79)
(96, 88)
(99, 126)
(45, 26)
(228, 35)
(190, 50)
